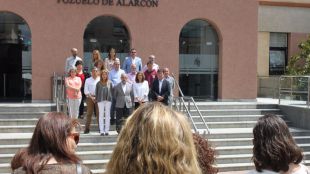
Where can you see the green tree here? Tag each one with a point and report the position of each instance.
(299, 64)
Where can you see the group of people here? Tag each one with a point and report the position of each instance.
(111, 89)
(155, 139)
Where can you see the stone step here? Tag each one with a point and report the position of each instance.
(233, 150)
(33, 121)
(30, 128)
(242, 166)
(84, 155)
(243, 158)
(248, 141)
(21, 115)
(244, 133)
(235, 124)
(5, 168)
(216, 106)
(230, 124)
(24, 138)
(236, 112)
(18, 122)
(27, 107)
(104, 146)
(219, 118)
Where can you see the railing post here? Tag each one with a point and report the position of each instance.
(280, 78)
(308, 102)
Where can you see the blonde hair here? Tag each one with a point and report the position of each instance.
(101, 79)
(98, 55)
(155, 139)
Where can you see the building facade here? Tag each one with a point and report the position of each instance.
(215, 48)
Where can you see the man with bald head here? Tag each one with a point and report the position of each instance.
(71, 61)
(123, 95)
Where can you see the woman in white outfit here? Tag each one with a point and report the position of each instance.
(104, 97)
(140, 90)
(275, 150)
(73, 91)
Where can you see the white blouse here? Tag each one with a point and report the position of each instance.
(141, 91)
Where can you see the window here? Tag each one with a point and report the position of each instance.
(198, 55)
(277, 53)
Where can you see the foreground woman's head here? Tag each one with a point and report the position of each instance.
(274, 147)
(155, 139)
(54, 137)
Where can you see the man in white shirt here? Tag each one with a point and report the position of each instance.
(133, 59)
(115, 78)
(70, 62)
(89, 90)
(155, 66)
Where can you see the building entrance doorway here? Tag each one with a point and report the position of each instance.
(199, 50)
(103, 33)
(15, 59)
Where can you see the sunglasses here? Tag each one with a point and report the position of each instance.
(75, 137)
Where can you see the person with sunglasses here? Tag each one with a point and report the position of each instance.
(52, 148)
(132, 59)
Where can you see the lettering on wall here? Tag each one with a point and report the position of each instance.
(125, 3)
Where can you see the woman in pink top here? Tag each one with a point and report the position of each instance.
(74, 96)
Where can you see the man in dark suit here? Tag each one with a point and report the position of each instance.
(161, 88)
(123, 95)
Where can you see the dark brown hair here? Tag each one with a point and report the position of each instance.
(143, 77)
(206, 155)
(48, 140)
(109, 55)
(18, 159)
(274, 147)
(102, 62)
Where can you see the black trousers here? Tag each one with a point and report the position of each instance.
(121, 116)
(81, 108)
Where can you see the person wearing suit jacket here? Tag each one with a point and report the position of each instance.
(161, 88)
(133, 59)
(124, 101)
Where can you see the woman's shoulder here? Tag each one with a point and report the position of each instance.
(57, 169)
(302, 170)
(64, 168)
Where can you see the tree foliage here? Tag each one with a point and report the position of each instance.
(299, 64)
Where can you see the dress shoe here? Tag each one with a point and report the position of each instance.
(106, 134)
(86, 131)
(102, 134)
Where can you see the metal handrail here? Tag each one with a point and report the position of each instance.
(59, 95)
(200, 115)
(191, 99)
(291, 88)
(189, 114)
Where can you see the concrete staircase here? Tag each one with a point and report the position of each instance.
(230, 125)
